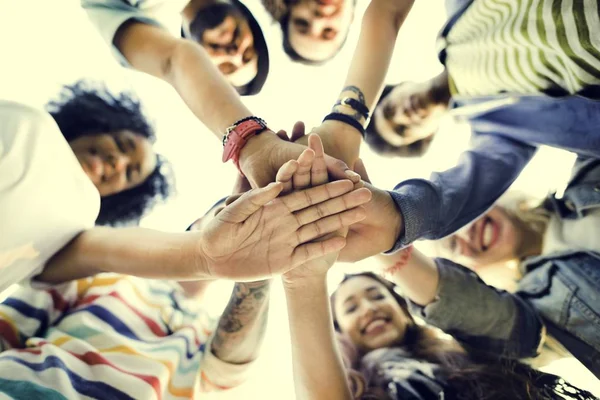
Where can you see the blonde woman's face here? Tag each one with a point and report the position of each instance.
(491, 239)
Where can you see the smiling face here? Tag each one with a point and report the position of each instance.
(494, 238)
(115, 162)
(317, 28)
(406, 116)
(226, 35)
(368, 313)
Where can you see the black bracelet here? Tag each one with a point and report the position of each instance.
(347, 119)
(356, 106)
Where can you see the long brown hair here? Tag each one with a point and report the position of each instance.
(468, 375)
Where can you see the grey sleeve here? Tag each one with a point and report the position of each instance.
(109, 15)
(481, 316)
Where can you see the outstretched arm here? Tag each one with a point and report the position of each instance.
(380, 26)
(497, 322)
(256, 236)
(241, 328)
(318, 368)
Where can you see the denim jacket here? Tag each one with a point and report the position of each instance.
(559, 293)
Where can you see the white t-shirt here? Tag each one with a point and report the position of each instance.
(108, 16)
(46, 198)
(573, 234)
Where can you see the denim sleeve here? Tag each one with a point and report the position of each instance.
(437, 207)
(482, 317)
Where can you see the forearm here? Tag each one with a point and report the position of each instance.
(434, 208)
(415, 274)
(498, 322)
(132, 251)
(242, 325)
(202, 87)
(380, 25)
(318, 368)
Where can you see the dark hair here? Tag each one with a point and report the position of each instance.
(279, 10)
(380, 146)
(89, 109)
(468, 375)
(200, 24)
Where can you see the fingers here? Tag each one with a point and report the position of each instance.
(310, 251)
(298, 131)
(330, 224)
(283, 135)
(249, 203)
(305, 198)
(333, 206)
(301, 179)
(359, 168)
(318, 172)
(285, 174)
(338, 170)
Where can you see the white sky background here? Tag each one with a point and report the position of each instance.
(44, 44)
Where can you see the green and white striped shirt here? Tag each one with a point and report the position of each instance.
(525, 47)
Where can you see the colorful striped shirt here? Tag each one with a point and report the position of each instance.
(525, 47)
(110, 337)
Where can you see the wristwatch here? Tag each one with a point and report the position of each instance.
(238, 134)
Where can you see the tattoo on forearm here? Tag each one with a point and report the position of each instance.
(348, 110)
(356, 91)
(243, 322)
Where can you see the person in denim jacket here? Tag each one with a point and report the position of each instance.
(557, 295)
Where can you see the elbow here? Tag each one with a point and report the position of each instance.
(175, 57)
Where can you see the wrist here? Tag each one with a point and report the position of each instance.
(256, 145)
(304, 285)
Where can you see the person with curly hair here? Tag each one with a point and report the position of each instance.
(48, 209)
(112, 140)
(314, 31)
(196, 71)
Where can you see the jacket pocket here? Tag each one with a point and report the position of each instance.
(552, 290)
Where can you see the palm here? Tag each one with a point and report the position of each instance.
(376, 233)
(260, 234)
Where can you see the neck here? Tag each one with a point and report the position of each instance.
(531, 244)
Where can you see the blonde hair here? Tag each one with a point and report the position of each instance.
(524, 209)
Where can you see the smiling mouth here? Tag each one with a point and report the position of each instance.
(488, 234)
(375, 326)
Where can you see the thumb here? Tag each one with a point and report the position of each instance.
(241, 209)
(298, 131)
(359, 168)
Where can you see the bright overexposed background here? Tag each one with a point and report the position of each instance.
(45, 44)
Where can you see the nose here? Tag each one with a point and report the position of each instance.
(116, 164)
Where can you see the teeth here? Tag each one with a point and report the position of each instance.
(488, 232)
(374, 325)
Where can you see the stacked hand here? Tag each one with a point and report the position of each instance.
(310, 170)
(260, 234)
(264, 154)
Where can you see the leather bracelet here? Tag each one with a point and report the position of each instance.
(236, 123)
(346, 119)
(356, 106)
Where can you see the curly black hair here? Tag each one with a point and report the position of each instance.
(88, 109)
(380, 146)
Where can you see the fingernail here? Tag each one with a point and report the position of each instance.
(351, 174)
